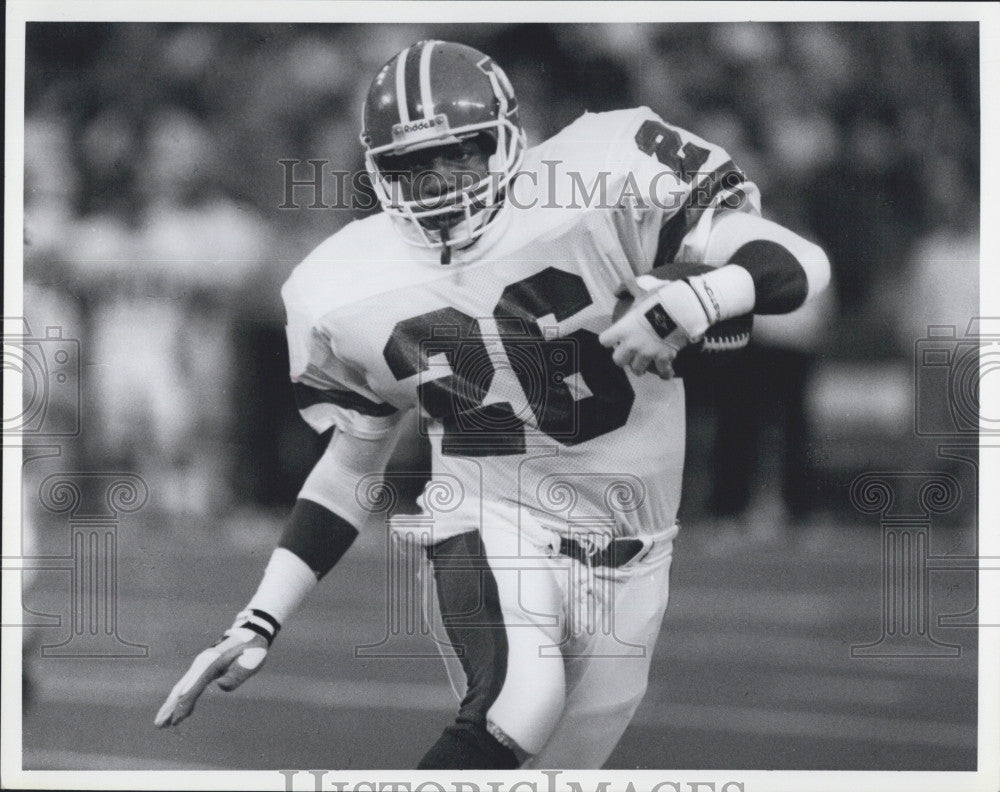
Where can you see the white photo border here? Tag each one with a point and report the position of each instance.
(19, 12)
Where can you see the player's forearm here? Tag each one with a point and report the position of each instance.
(323, 525)
(314, 540)
(784, 269)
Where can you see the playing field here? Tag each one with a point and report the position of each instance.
(753, 668)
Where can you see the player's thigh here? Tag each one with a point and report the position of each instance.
(596, 713)
(607, 670)
(532, 595)
(499, 608)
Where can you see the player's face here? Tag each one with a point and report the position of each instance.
(427, 175)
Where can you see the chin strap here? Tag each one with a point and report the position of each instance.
(446, 250)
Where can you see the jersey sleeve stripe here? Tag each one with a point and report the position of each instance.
(307, 396)
(726, 177)
(731, 199)
(720, 188)
(671, 235)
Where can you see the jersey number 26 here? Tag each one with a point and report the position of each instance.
(574, 391)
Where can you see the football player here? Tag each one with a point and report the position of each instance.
(482, 296)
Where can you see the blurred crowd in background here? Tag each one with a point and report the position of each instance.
(153, 231)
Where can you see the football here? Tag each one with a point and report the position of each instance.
(730, 335)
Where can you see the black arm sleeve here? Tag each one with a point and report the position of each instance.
(779, 280)
(317, 536)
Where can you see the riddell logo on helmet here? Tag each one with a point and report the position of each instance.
(421, 125)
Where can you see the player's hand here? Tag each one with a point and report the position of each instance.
(659, 325)
(233, 660)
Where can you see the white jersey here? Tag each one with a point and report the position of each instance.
(525, 410)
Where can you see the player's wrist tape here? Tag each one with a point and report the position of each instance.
(258, 621)
(699, 301)
(286, 582)
(724, 293)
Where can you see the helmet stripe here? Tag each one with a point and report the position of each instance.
(404, 115)
(411, 74)
(425, 79)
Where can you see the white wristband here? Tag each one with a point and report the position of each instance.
(725, 293)
(286, 582)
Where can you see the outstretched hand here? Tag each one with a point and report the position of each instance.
(232, 661)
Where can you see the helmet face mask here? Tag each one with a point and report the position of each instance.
(433, 97)
(429, 174)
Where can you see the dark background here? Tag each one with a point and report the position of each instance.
(152, 170)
